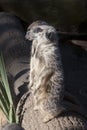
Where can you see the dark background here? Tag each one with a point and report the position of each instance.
(66, 15)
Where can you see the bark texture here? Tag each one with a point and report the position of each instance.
(15, 49)
(33, 120)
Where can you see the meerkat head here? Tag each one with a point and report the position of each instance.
(41, 31)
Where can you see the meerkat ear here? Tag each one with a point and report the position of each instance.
(51, 36)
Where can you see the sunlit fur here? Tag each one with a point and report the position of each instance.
(46, 73)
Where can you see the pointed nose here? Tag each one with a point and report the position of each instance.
(27, 35)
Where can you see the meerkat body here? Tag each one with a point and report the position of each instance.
(46, 78)
(46, 75)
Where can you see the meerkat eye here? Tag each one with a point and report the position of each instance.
(37, 30)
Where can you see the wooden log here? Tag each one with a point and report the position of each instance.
(15, 49)
(32, 120)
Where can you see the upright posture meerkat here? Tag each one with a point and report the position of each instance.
(46, 75)
(46, 78)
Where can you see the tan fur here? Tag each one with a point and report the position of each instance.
(46, 75)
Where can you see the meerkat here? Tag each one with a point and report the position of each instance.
(46, 73)
(46, 78)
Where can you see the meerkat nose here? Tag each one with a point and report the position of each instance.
(27, 35)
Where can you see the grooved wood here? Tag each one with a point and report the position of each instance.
(32, 120)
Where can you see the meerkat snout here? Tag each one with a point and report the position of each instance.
(29, 36)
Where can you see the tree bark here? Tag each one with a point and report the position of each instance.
(32, 120)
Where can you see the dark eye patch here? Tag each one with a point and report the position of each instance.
(37, 30)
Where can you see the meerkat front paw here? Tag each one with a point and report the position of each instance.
(48, 118)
